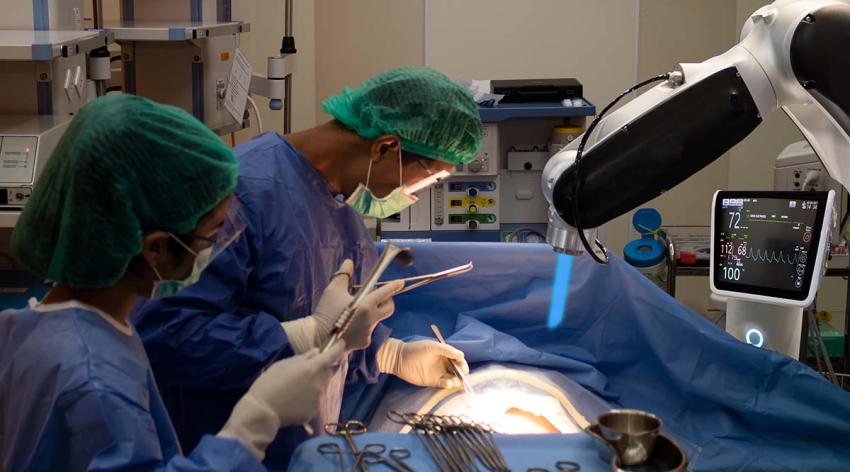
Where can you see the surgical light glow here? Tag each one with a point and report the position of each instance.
(512, 408)
(560, 290)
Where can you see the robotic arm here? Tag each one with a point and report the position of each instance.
(792, 55)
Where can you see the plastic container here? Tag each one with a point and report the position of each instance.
(647, 254)
(563, 136)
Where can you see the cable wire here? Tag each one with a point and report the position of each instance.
(579, 178)
(256, 113)
(819, 339)
(843, 225)
(814, 346)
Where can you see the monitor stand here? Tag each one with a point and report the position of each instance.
(775, 327)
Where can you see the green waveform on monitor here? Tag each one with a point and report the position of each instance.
(771, 256)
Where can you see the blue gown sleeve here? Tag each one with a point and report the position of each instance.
(363, 364)
(207, 336)
(109, 432)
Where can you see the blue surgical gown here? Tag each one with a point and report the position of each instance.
(208, 343)
(77, 393)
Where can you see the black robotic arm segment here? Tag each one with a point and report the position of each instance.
(820, 58)
(660, 149)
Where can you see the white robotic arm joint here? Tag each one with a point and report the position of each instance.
(792, 55)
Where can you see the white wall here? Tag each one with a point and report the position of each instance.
(267, 26)
(357, 39)
(501, 39)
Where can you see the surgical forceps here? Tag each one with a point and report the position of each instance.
(369, 450)
(332, 448)
(474, 436)
(347, 430)
(395, 461)
(371, 454)
(435, 449)
(454, 442)
(426, 279)
(462, 377)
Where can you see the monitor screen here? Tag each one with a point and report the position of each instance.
(766, 243)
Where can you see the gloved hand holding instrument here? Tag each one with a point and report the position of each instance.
(344, 320)
(351, 319)
(404, 257)
(287, 393)
(315, 331)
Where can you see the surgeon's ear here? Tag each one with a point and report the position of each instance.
(155, 248)
(385, 146)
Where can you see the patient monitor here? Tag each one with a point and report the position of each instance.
(768, 253)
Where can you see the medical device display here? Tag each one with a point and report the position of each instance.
(26, 142)
(767, 243)
(768, 253)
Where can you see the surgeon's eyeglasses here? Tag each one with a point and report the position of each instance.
(422, 164)
(230, 230)
(192, 237)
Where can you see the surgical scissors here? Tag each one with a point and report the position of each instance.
(347, 430)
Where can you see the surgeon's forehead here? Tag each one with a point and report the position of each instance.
(215, 217)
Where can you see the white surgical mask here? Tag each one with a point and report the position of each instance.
(232, 227)
(363, 201)
(165, 288)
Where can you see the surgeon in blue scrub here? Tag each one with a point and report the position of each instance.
(305, 195)
(136, 200)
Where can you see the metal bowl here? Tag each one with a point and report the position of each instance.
(666, 456)
(632, 433)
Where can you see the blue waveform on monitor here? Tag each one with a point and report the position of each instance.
(772, 257)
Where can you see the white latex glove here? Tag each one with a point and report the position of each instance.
(315, 330)
(424, 363)
(376, 307)
(287, 393)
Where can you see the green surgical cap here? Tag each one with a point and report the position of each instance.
(432, 116)
(125, 167)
